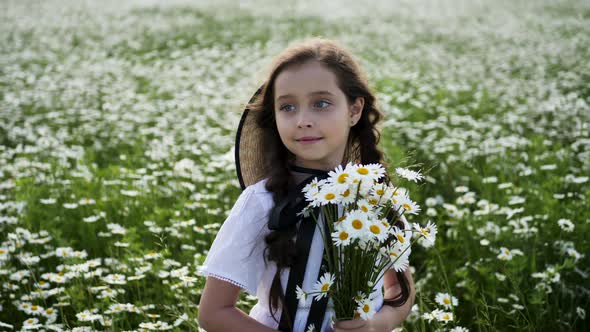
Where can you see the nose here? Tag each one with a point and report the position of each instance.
(304, 119)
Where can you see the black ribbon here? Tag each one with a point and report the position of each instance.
(282, 216)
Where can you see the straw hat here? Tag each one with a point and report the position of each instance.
(249, 154)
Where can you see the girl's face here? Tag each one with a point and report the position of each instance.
(313, 115)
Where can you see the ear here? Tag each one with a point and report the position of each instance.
(356, 110)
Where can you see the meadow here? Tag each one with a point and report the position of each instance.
(117, 126)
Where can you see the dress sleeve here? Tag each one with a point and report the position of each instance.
(236, 254)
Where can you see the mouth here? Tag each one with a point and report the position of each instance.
(305, 140)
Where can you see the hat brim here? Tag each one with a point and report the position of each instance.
(248, 154)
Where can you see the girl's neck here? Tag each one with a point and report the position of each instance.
(301, 173)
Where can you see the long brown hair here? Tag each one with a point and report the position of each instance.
(361, 148)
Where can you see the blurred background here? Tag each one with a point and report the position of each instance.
(118, 120)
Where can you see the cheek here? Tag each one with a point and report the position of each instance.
(282, 128)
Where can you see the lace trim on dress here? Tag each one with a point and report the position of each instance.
(233, 282)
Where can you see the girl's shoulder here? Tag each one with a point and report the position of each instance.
(259, 188)
(257, 193)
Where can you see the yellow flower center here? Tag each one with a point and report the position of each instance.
(447, 301)
(329, 196)
(325, 287)
(446, 317)
(362, 171)
(424, 232)
(385, 223)
(2, 251)
(400, 238)
(366, 308)
(356, 315)
(375, 229)
(346, 193)
(343, 236)
(49, 311)
(342, 178)
(34, 307)
(380, 192)
(364, 209)
(393, 253)
(407, 206)
(393, 200)
(373, 201)
(357, 224)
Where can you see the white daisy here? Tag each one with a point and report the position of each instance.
(385, 223)
(328, 194)
(443, 316)
(400, 236)
(115, 279)
(366, 308)
(35, 310)
(356, 223)
(428, 234)
(31, 324)
(323, 285)
(47, 201)
(581, 312)
(505, 254)
(347, 196)
(364, 206)
(566, 225)
(301, 295)
(398, 254)
(446, 300)
(381, 192)
(70, 205)
(361, 174)
(50, 314)
(341, 237)
(409, 174)
(340, 176)
(378, 231)
(398, 196)
(408, 206)
(312, 189)
(360, 296)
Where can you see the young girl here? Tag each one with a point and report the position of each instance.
(314, 112)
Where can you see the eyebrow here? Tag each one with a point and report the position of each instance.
(309, 94)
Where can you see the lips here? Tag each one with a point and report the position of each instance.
(308, 139)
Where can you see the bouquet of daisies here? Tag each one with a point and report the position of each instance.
(364, 234)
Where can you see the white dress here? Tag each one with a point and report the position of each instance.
(236, 256)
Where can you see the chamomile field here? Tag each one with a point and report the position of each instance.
(117, 128)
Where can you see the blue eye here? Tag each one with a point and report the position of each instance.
(324, 102)
(285, 106)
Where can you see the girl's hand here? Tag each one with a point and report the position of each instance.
(356, 325)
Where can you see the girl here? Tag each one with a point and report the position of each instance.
(314, 112)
